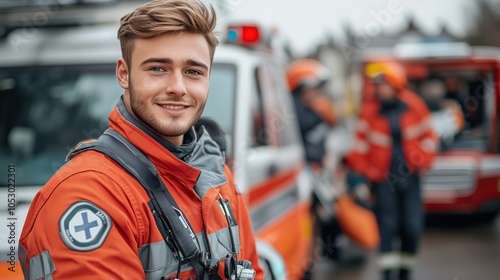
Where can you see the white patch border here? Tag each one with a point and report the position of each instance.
(94, 243)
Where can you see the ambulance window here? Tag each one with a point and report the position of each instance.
(285, 111)
(279, 110)
(220, 102)
(267, 90)
(259, 135)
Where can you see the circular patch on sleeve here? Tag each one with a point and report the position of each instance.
(84, 226)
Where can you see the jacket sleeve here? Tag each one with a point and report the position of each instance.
(248, 249)
(83, 228)
(358, 156)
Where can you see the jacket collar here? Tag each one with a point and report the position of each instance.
(161, 152)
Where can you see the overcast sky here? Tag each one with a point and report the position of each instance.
(305, 22)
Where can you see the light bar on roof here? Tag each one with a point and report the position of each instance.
(432, 50)
(243, 34)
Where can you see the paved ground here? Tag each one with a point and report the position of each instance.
(451, 249)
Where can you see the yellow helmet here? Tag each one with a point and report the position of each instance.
(391, 72)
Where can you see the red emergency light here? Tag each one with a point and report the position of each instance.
(243, 34)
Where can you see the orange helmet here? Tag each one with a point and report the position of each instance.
(391, 72)
(306, 73)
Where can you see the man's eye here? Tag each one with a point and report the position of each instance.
(193, 72)
(156, 69)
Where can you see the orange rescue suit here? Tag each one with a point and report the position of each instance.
(371, 154)
(133, 248)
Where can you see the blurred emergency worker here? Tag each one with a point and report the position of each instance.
(316, 115)
(394, 145)
(92, 219)
(315, 110)
(447, 114)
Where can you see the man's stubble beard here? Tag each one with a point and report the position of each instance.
(140, 110)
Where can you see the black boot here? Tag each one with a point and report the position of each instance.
(386, 274)
(404, 274)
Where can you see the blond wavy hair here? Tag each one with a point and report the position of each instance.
(160, 17)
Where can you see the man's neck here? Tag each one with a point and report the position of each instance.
(176, 140)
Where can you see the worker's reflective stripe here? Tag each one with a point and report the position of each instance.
(391, 260)
(362, 126)
(429, 145)
(41, 266)
(418, 129)
(158, 260)
(408, 261)
(274, 207)
(220, 242)
(374, 137)
(379, 139)
(23, 257)
(360, 146)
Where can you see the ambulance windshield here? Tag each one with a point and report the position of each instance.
(462, 105)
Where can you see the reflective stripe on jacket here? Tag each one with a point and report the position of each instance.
(372, 149)
(130, 246)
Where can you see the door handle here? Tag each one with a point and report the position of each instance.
(272, 170)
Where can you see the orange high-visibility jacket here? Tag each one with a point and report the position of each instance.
(92, 221)
(372, 150)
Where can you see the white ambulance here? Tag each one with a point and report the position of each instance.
(58, 84)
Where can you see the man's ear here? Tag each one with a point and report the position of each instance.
(122, 73)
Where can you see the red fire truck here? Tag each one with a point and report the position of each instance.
(465, 177)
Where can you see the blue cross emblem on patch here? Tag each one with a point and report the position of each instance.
(84, 226)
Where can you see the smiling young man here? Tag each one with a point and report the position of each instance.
(93, 219)
(166, 82)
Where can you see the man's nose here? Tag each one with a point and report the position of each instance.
(175, 84)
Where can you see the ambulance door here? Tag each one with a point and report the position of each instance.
(280, 211)
(276, 148)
